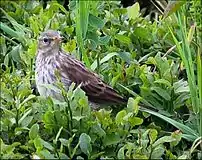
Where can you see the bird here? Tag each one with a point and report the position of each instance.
(51, 58)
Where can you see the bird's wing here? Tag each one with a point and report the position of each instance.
(96, 90)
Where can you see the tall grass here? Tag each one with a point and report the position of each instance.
(191, 59)
(82, 15)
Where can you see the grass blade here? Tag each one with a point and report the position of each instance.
(81, 28)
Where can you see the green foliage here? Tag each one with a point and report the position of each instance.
(144, 60)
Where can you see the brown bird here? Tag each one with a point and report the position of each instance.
(51, 58)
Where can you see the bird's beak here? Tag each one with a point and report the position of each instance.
(57, 39)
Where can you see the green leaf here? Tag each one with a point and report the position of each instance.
(190, 134)
(26, 121)
(78, 118)
(103, 60)
(98, 130)
(81, 27)
(133, 11)
(163, 140)
(37, 143)
(104, 40)
(15, 53)
(153, 135)
(85, 145)
(96, 21)
(31, 96)
(24, 116)
(119, 117)
(134, 121)
(177, 136)
(158, 152)
(132, 105)
(162, 92)
(163, 81)
(126, 56)
(181, 86)
(138, 156)
(46, 154)
(33, 133)
(47, 145)
(123, 39)
(11, 32)
(18, 27)
(142, 33)
(58, 134)
(111, 139)
(120, 154)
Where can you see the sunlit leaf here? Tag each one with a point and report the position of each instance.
(133, 11)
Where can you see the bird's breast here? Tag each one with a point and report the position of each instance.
(45, 76)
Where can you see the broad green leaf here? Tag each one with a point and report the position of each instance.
(96, 21)
(85, 143)
(46, 154)
(123, 39)
(97, 129)
(47, 145)
(115, 79)
(111, 139)
(37, 143)
(126, 56)
(120, 154)
(158, 152)
(184, 156)
(153, 135)
(133, 11)
(133, 105)
(104, 40)
(162, 92)
(34, 130)
(134, 121)
(181, 86)
(15, 53)
(120, 11)
(199, 80)
(26, 121)
(142, 32)
(177, 135)
(34, 26)
(119, 117)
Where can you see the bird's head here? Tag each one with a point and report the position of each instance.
(49, 42)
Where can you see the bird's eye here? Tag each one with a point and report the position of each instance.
(45, 40)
